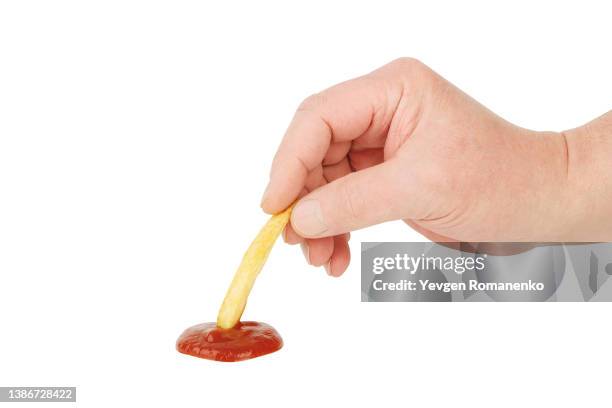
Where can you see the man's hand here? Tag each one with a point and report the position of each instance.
(403, 143)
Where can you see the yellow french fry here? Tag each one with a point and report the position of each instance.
(252, 263)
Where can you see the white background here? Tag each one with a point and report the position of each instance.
(135, 141)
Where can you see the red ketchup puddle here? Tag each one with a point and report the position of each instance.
(244, 341)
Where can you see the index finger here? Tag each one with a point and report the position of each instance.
(338, 114)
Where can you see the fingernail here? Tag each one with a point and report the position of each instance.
(306, 252)
(328, 268)
(307, 218)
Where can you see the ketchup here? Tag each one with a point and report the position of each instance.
(244, 341)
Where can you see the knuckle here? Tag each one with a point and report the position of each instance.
(412, 71)
(407, 62)
(313, 102)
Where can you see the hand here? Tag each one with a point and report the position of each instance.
(403, 143)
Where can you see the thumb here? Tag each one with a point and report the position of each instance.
(357, 200)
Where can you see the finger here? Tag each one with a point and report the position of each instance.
(305, 250)
(314, 180)
(340, 258)
(335, 171)
(289, 234)
(339, 114)
(362, 159)
(336, 152)
(291, 237)
(357, 200)
(320, 250)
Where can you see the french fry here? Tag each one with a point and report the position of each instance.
(252, 263)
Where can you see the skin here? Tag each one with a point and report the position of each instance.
(402, 143)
